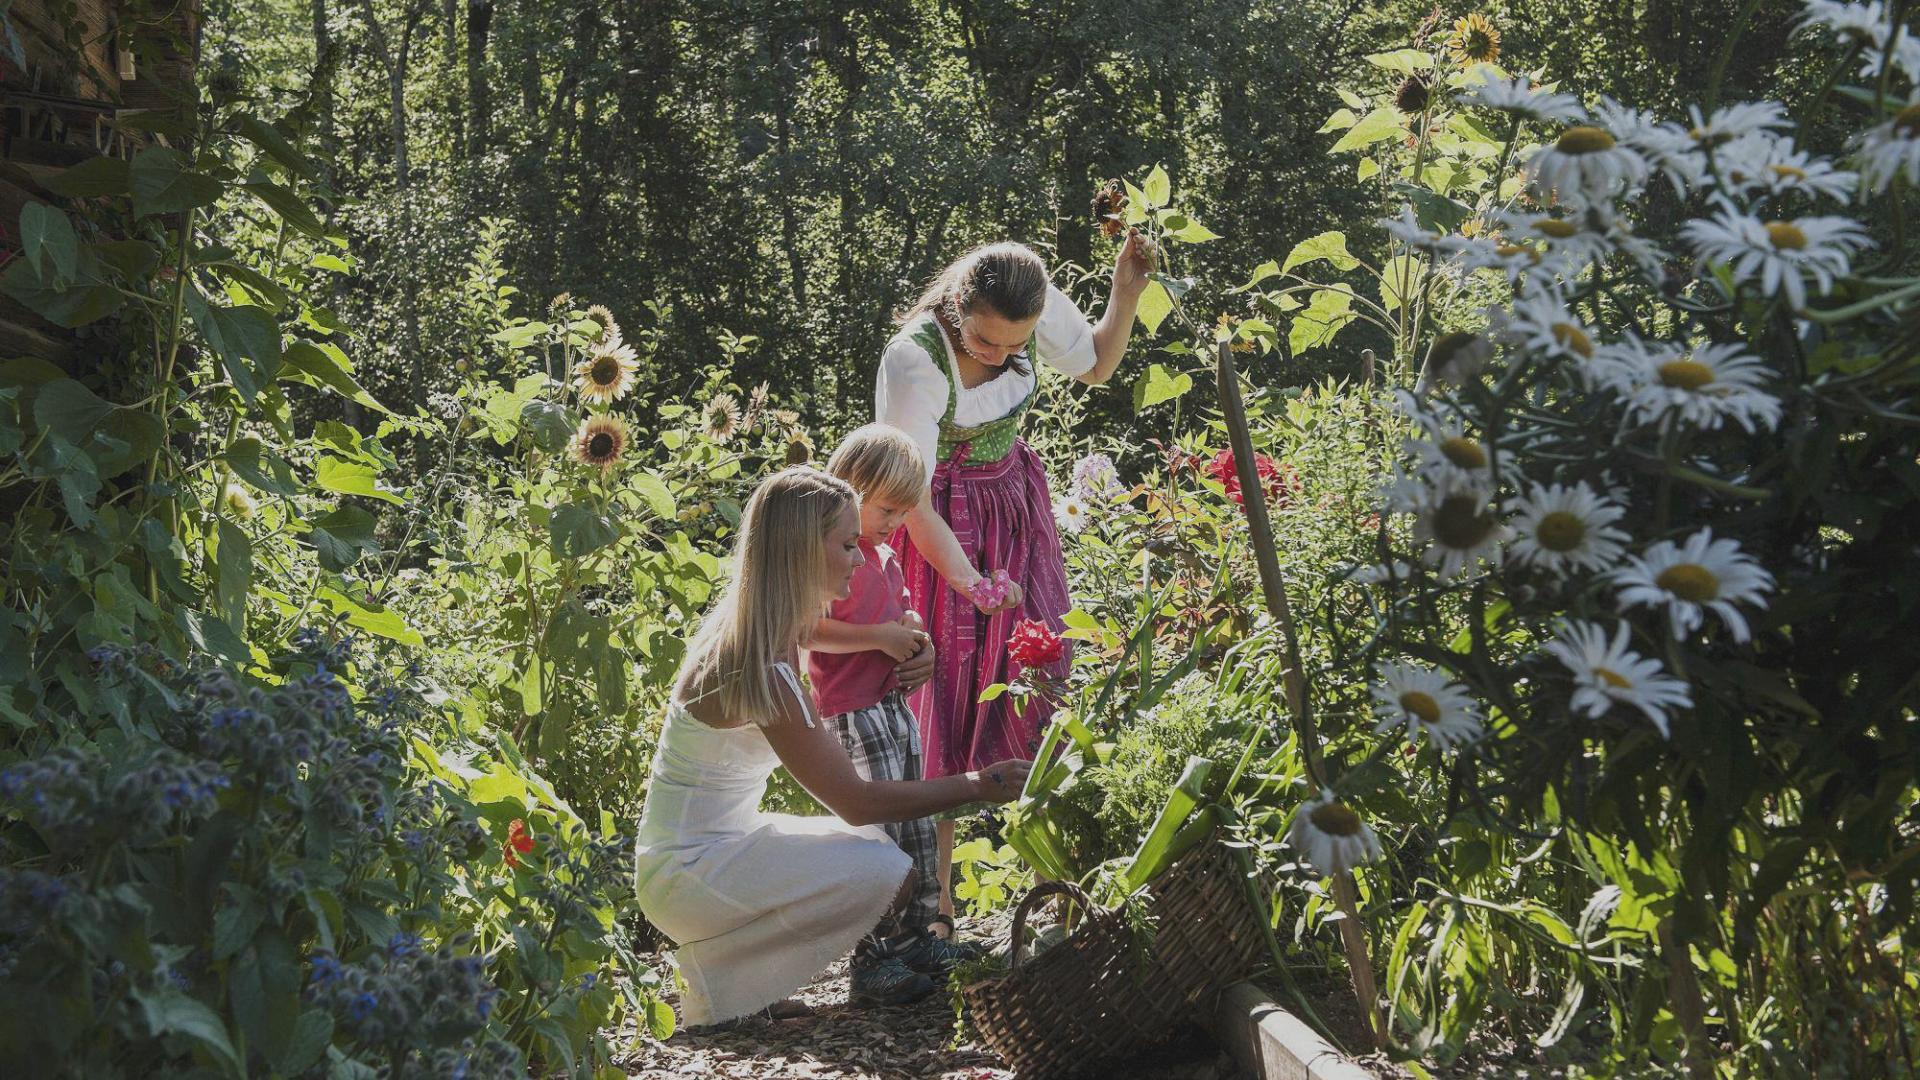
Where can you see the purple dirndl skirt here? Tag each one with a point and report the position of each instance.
(1002, 515)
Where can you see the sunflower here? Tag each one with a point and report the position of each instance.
(1413, 95)
(600, 441)
(723, 417)
(1110, 208)
(1475, 40)
(606, 374)
(609, 329)
(799, 448)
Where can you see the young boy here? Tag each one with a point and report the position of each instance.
(851, 661)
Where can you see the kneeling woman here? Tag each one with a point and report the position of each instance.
(760, 903)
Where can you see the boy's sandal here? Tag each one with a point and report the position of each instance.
(942, 920)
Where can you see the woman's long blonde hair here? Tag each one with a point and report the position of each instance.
(776, 593)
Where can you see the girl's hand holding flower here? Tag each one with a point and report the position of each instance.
(1132, 265)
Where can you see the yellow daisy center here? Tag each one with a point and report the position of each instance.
(1685, 374)
(1689, 581)
(1561, 530)
(1785, 236)
(1612, 678)
(1335, 819)
(1421, 705)
(1583, 139)
(1573, 339)
(1508, 251)
(1907, 121)
(1462, 522)
(1557, 228)
(1464, 452)
(1791, 172)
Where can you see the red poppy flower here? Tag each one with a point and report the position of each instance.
(1033, 645)
(519, 842)
(1280, 481)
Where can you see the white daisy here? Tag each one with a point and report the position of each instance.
(1848, 21)
(1585, 166)
(1446, 450)
(1729, 122)
(1542, 324)
(1764, 163)
(1689, 578)
(1457, 522)
(1382, 573)
(1331, 836)
(1574, 237)
(1666, 146)
(1517, 97)
(1891, 149)
(1454, 358)
(1561, 528)
(1070, 513)
(1780, 255)
(1607, 673)
(1095, 478)
(1423, 700)
(1513, 260)
(1666, 384)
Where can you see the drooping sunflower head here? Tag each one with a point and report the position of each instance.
(799, 448)
(722, 417)
(607, 373)
(1475, 40)
(609, 329)
(601, 441)
(1110, 207)
(1413, 95)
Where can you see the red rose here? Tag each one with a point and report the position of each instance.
(1033, 645)
(519, 842)
(1279, 481)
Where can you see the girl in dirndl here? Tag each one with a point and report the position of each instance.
(959, 377)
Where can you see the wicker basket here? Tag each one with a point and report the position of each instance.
(1208, 935)
(1079, 1005)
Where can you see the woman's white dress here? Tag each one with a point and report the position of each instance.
(758, 903)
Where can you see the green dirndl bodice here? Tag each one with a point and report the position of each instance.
(985, 443)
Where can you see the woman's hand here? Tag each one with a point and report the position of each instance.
(1002, 781)
(1132, 265)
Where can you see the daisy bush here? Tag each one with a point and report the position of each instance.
(1650, 536)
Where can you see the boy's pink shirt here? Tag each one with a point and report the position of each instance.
(843, 682)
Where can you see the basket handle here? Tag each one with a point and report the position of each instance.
(1032, 900)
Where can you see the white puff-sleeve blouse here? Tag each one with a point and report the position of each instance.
(910, 392)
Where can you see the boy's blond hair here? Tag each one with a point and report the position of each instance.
(881, 462)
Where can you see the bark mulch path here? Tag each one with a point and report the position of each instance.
(912, 1042)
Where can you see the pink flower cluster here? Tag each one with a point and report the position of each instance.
(992, 590)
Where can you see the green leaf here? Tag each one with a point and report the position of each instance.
(46, 236)
(233, 575)
(370, 616)
(576, 529)
(1155, 305)
(342, 537)
(1157, 386)
(1193, 232)
(351, 478)
(1341, 120)
(1367, 169)
(1331, 246)
(660, 1019)
(64, 305)
(211, 635)
(170, 1012)
(1379, 125)
(252, 462)
(1329, 310)
(1401, 268)
(1403, 61)
(549, 423)
(246, 339)
(163, 184)
(275, 145)
(312, 1033)
(292, 208)
(1435, 212)
(93, 177)
(323, 365)
(1158, 188)
(69, 410)
(654, 491)
(519, 337)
